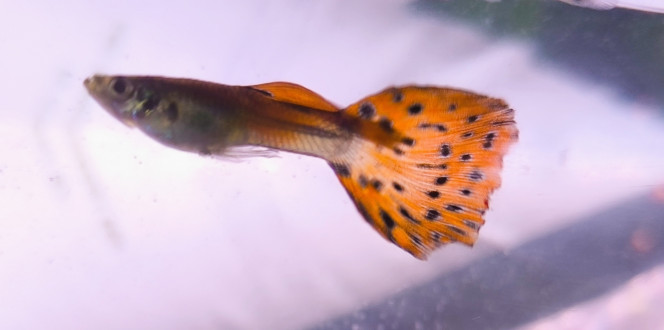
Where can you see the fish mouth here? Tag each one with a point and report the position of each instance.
(93, 82)
(88, 81)
(98, 86)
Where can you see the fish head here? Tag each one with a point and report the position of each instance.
(115, 94)
(134, 101)
(179, 113)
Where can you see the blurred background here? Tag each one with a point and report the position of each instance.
(103, 228)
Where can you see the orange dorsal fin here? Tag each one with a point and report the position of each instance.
(433, 186)
(295, 94)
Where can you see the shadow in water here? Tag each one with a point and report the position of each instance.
(580, 262)
(621, 48)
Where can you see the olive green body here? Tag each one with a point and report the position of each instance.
(209, 118)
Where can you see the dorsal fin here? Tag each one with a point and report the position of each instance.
(295, 94)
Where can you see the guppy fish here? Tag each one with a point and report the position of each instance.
(418, 162)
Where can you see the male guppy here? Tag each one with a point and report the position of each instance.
(418, 162)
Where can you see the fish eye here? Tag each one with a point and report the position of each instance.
(119, 85)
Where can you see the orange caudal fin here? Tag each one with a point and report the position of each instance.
(431, 186)
(295, 94)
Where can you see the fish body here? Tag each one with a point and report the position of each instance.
(209, 118)
(419, 162)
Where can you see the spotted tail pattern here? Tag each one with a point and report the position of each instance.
(430, 184)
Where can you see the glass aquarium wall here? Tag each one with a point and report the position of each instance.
(104, 228)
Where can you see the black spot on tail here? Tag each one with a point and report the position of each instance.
(416, 240)
(387, 219)
(408, 141)
(432, 214)
(432, 166)
(488, 140)
(397, 187)
(453, 208)
(452, 107)
(457, 230)
(466, 157)
(465, 192)
(415, 109)
(473, 119)
(475, 175)
(386, 125)
(441, 180)
(341, 170)
(407, 215)
(466, 135)
(363, 181)
(397, 97)
(503, 123)
(377, 184)
(367, 111)
(397, 151)
(434, 194)
(363, 211)
(439, 127)
(471, 224)
(445, 150)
